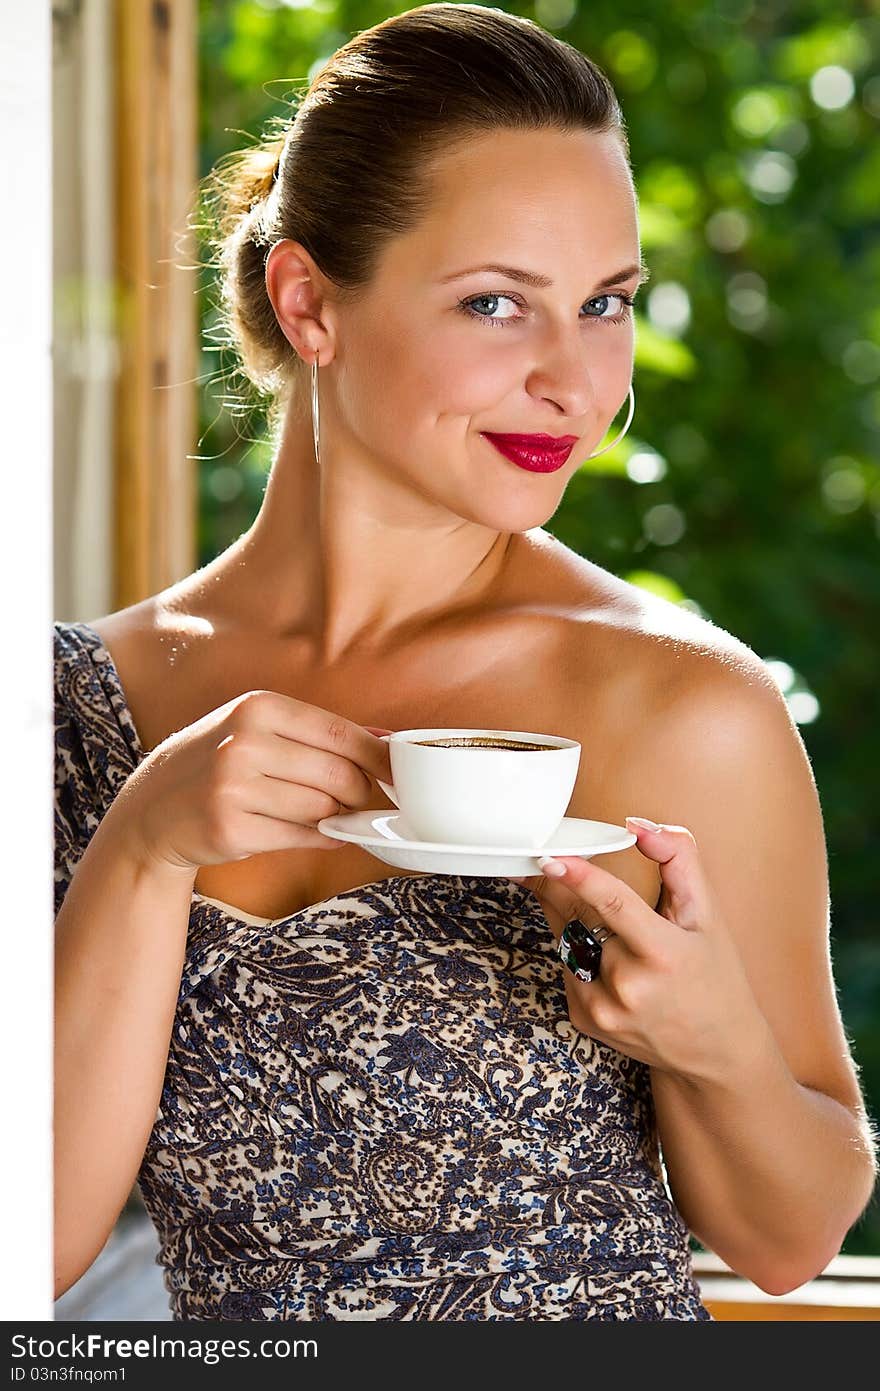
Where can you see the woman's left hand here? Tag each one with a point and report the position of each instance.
(672, 990)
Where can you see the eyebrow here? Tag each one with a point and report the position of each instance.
(543, 282)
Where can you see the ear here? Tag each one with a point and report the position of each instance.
(297, 291)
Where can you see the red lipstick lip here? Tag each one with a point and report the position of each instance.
(536, 441)
(537, 453)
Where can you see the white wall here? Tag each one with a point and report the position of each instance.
(26, 690)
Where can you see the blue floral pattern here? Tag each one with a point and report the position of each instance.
(377, 1107)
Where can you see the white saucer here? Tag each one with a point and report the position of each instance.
(384, 834)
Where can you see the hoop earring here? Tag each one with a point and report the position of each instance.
(316, 412)
(618, 438)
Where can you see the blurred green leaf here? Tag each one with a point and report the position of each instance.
(656, 583)
(845, 44)
(659, 353)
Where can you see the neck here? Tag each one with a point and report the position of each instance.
(351, 557)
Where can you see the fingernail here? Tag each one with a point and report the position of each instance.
(555, 868)
(643, 821)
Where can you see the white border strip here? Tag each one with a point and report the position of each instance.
(26, 1283)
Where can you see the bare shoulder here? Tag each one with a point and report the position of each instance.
(654, 657)
(157, 632)
(151, 645)
(144, 638)
(125, 624)
(126, 632)
(673, 709)
(663, 700)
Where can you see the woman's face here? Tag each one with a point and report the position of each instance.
(431, 357)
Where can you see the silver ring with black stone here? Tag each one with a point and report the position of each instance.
(580, 948)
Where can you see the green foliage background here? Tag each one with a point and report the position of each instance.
(748, 486)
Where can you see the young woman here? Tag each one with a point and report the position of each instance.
(353, 1094)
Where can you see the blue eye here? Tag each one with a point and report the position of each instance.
(465, 306)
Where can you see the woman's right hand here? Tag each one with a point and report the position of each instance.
(256, 774)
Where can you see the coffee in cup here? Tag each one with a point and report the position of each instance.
(520, 746)
(499, 787)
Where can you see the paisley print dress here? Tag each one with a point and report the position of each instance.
(377, 1107)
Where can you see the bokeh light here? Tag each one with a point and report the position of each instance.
(770, 175)
(727, 229)
(669, 307)
(804, 707)
(645, 466)
(664, 524)
(747, 301)
(555, 14)
(832, 87)
(843, 487)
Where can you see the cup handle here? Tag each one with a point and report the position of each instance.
(386, 786)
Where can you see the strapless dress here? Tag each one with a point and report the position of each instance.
(377, 1107)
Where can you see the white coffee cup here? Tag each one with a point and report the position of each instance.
(477, 794)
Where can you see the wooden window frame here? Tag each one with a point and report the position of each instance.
(156, 164)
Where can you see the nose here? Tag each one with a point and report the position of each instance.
(563, 374)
